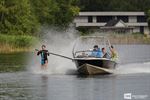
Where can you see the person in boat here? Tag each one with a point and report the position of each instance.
(113, 52)
(96, 52)
(44, 60)
(105, 54)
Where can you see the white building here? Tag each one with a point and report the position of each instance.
(113, 21)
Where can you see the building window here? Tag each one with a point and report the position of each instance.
(104, 18)
(90, 19)
(123, 18)
(141, 19)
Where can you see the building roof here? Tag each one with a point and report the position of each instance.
(115, 23)
(111, 13)
(112, 22)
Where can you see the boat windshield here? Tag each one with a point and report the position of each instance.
(83, 46)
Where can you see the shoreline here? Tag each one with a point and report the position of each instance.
(17, 43)
(129, 39)
(12, 44)
(7, 50)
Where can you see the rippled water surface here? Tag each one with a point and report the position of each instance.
(131, 79)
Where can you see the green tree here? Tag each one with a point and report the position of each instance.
(66, 12)
(16, 17)
(114, 5)
(44, 10)
(55, 12)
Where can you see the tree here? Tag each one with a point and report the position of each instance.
(55, 12)
(44, 10)
(16, 17)
(66, 12)
(114, 5)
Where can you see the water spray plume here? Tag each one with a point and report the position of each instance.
(59, 43)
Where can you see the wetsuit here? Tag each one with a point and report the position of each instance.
(44, 54)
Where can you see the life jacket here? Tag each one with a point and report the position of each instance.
(114, 56)
(97, 53)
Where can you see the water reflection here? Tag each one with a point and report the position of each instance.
(44, 87)
(95, 88)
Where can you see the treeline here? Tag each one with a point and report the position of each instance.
(27, 16)
(114, 5)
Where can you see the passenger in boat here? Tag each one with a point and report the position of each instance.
(105, 54)
(96, 52)
(114, 55)
(44, 60)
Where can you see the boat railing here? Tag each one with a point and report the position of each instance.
(105, 43)
(84, 54)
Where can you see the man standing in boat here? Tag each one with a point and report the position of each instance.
(44, 60)
(114, 55)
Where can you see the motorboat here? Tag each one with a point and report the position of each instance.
(88, 64)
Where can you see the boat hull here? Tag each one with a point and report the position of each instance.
(95, 66)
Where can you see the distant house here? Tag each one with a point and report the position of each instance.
(117, 26)
(119, 22)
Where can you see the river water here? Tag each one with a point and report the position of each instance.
(131, 79)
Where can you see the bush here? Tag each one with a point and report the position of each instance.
(18, 41)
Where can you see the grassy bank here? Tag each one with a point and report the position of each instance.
(115, 38)
(16, 43)
(21, 43)
(129, 38)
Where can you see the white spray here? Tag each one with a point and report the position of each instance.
(133, 68)
(60, 43)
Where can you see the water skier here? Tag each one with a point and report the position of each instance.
(44, 59)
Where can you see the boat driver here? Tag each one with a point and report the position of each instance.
(96, 52)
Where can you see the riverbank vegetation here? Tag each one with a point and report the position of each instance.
(118, 38)
(135, 38)
(17, 43)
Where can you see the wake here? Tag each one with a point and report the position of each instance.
(133, 68)
(70, 69)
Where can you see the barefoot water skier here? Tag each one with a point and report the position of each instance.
(44, 53)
